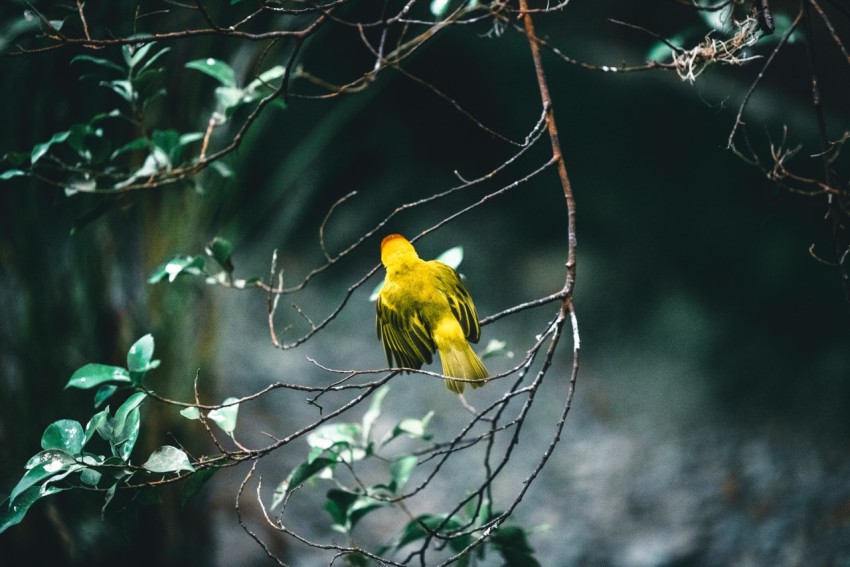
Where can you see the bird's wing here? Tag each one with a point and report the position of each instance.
(459, 300)
(405, 337)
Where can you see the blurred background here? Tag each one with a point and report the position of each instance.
(710, 423)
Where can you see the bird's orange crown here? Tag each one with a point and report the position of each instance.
(389, 238)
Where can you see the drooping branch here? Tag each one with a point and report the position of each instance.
(557, 155)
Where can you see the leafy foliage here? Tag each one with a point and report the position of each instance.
(65, 462)
(90, 156)
(98, 155)
(347, 443)
(185, 265)
(69, 461)
(229, 96)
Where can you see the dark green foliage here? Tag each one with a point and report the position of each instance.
(63, 463)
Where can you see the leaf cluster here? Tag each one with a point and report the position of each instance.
(123, 148)
(68, 461)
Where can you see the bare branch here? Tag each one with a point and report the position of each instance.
(760, 76)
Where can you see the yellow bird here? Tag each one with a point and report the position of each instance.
(423, 307)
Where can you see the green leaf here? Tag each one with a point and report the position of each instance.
(12, 173)
(411, 428)
(228, 98)
(166, 140)
(168, 459)
(333, 433)
(74, 468)
(347, 508)
(155, 163)
(57, 24)
(511, 542)
(24, 22)
(140, 354)
(191, 265)
(65, 434)
(78, 137)
(79, 185)
(496, 348)
(268, 75)
(128, 435)
(400, 471)
(51, 459)
(222, 169)
(122, 88)
(110, 493)
(374, 412)
(376, 291)
(104, 393)
(39, 150)
(100, 423)
(124, 426)
(191, 412)
(189, 138)
(481, 511)
(134, 53)
(361, 507)
(452, 257)
(114, 113)
(337, 504)
(123, 413)
(52, 463)
(263, 85)
(218, 70)
(14, 513)
(299, 475)
(136, 145)
(414, 529)
(99, 62)
(116, 468)
(195, 483)
(415, 427)
(90, 460)
(225, 417)
(151, 61)
(343, 439)
(93, 374)
(221, 250)
(90, 477)
(185, 140)
(439, 7)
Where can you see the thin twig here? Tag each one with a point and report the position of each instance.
(760, 76)
(83, 19)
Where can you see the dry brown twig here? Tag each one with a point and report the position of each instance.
(690, 63)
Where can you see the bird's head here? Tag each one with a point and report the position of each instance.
(396, 246)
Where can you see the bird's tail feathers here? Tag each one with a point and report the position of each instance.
(460, 361)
